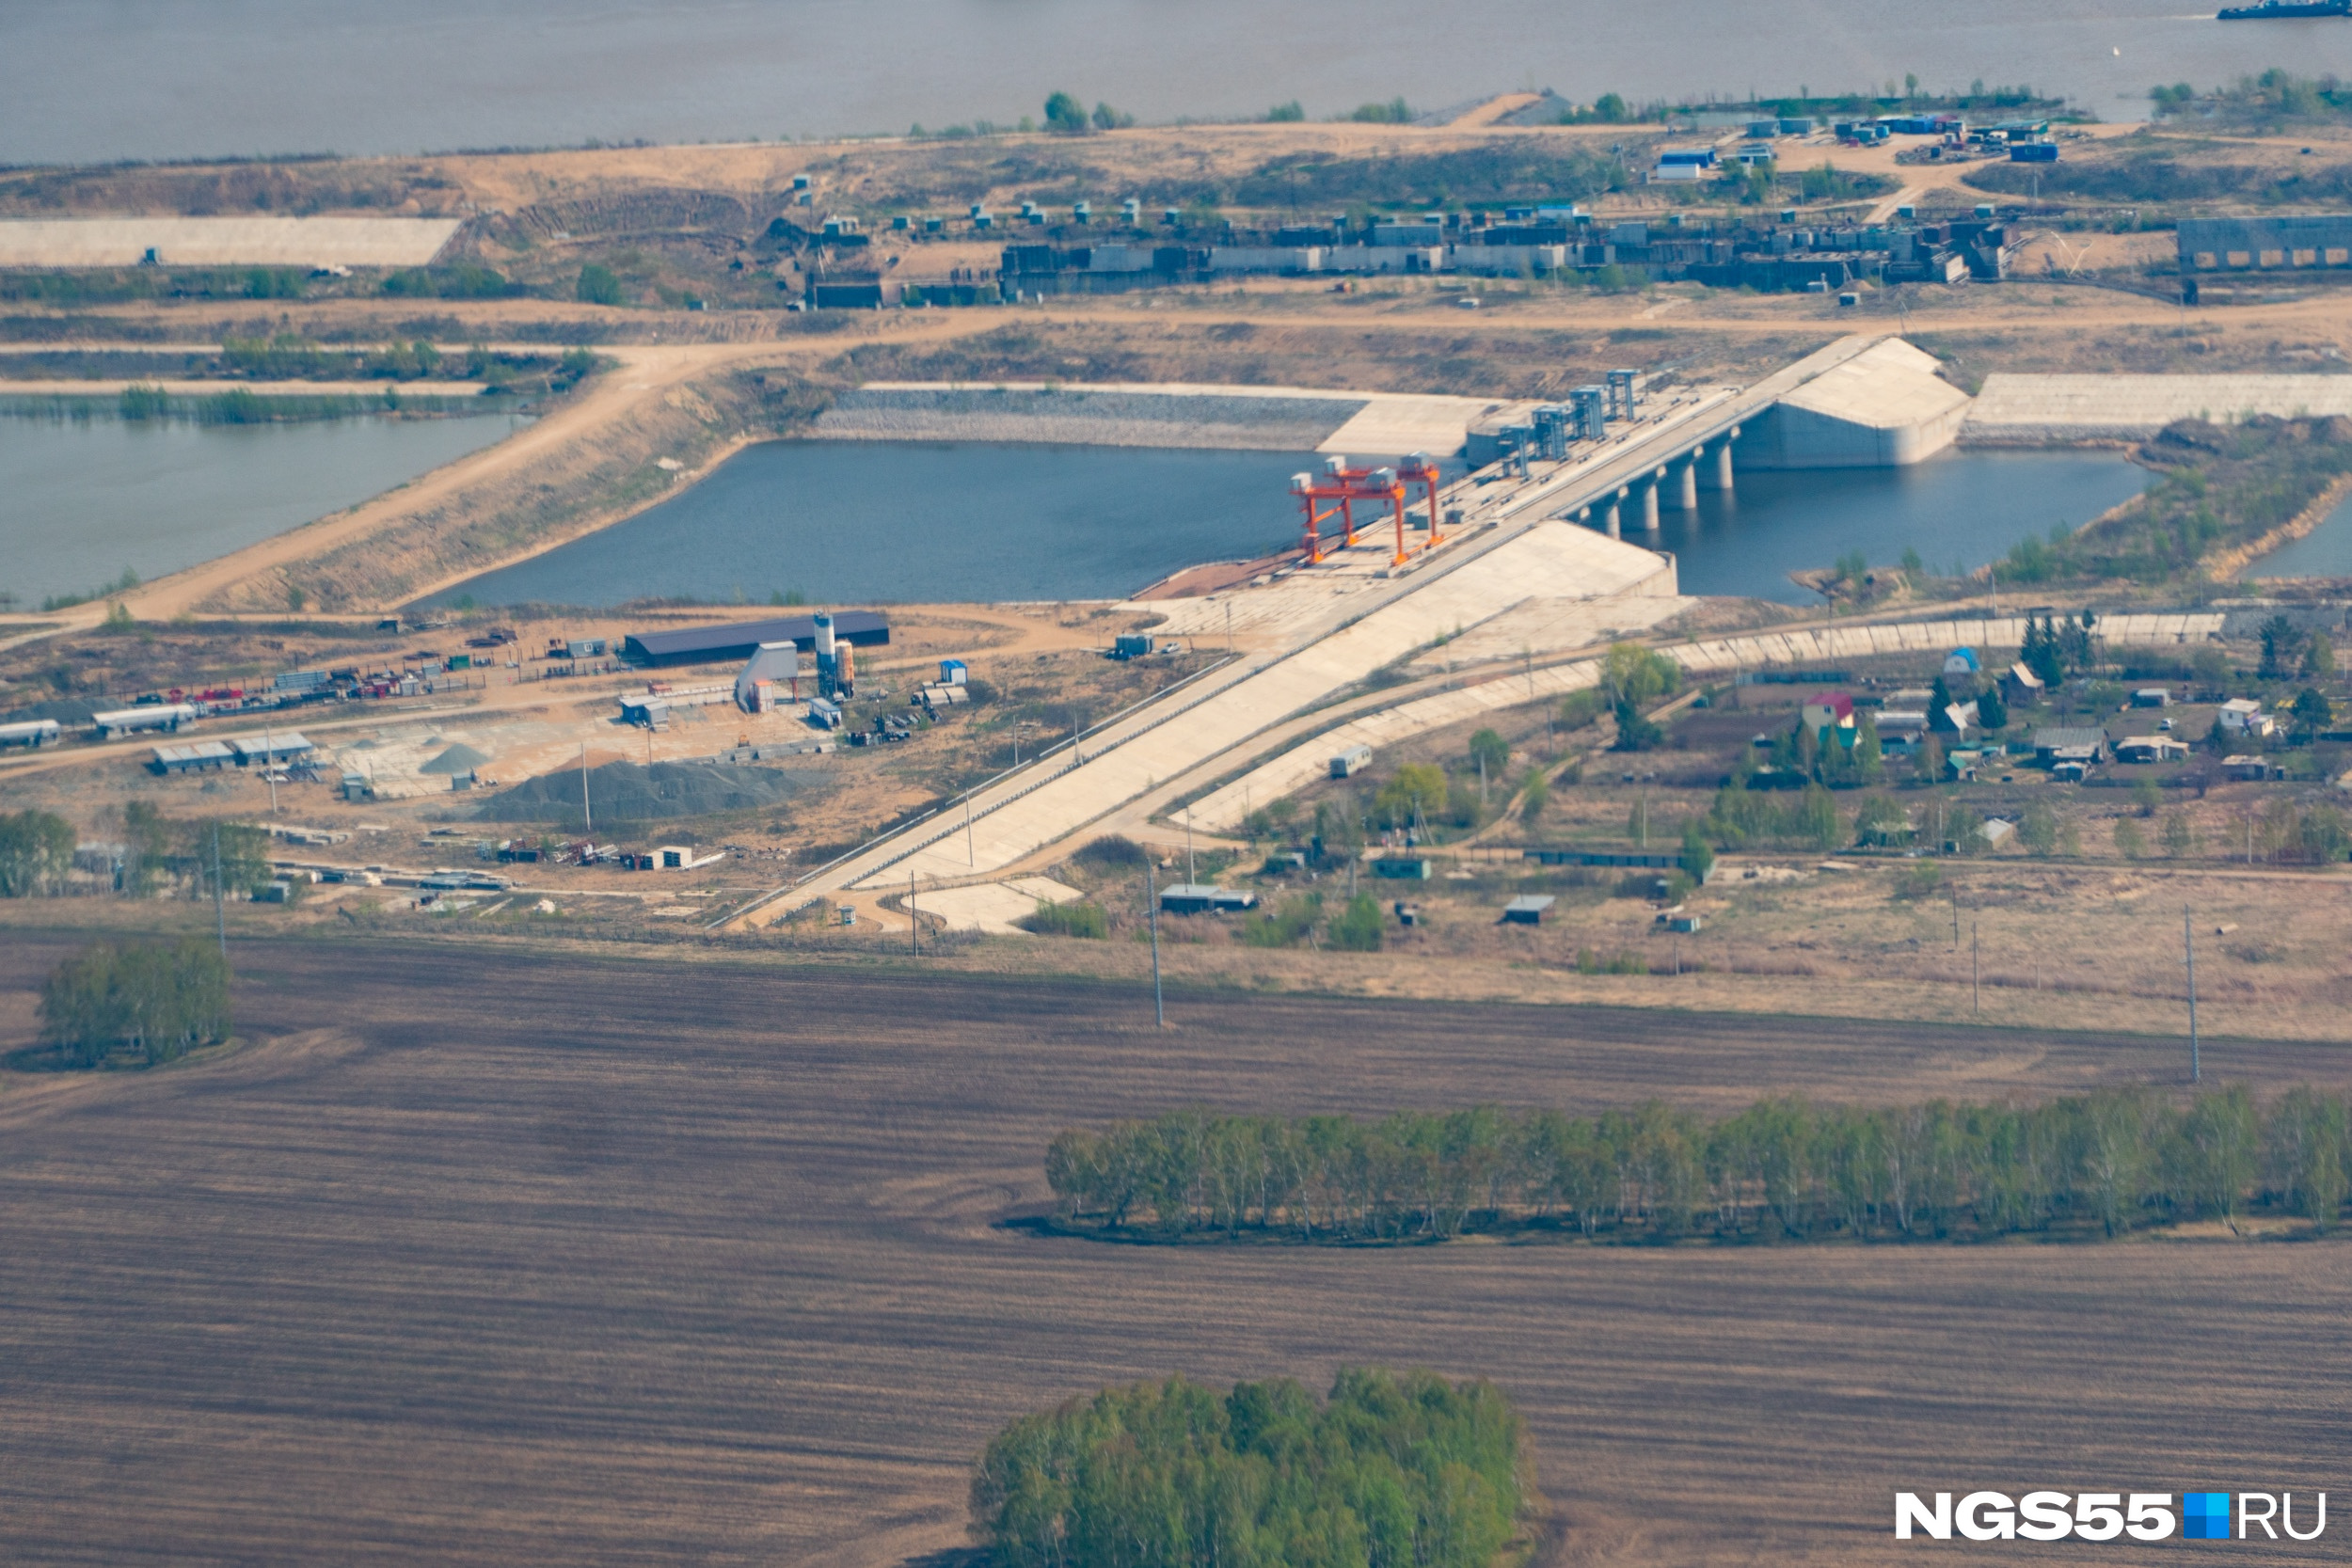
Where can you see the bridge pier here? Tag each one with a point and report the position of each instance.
(1614, 520)
(1649, 501)
(1690, 496)
(1720, 476)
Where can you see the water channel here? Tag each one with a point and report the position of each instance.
(2323, 552)
(851, 521)
(81, 500)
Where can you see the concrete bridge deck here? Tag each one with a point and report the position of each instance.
(1316, 633)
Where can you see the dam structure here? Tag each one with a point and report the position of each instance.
(1532, 560)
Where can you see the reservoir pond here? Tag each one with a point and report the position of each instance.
(2323, 552)
(81, 500)
(912, 523)
(1958, 511)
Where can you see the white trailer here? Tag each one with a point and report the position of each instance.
(32, 732)
(147, 717)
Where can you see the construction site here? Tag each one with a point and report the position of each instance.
(1706, 630)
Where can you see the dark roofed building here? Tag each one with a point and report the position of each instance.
(860, 628)
(2283, 241)
(2061, 743)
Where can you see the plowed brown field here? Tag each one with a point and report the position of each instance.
(499, 1256)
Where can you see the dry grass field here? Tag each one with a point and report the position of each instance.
(488, 1253)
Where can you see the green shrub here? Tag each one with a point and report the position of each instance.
(1287, 925)
(1073, 919)
(1357, 928)
(597, 285)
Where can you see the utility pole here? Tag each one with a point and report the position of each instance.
(2188, 947)
(587, 817)
(1152, 899)
(1976, 971)
(970, 854)
(269, 767)
(913, 925)
(1189, 876)
(1228, 625)
(220, 897)
(1955, 893)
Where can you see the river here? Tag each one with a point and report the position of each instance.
(876, 522)
(84, 81)
(81, 500)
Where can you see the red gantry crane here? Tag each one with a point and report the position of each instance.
(1347, 485)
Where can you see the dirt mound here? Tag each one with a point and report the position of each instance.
(635, 792)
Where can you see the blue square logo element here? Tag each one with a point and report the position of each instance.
(2204, 1517)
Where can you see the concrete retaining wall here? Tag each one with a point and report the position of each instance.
(2019, 410)
(1088, 417)
(224, 241)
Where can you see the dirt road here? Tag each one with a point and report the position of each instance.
(480, 1256)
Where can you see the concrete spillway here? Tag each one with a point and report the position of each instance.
(1119, 413)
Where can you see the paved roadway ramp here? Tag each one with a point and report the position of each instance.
(1554, 558)
(993, 906)
(2036, 410)
(224, 241)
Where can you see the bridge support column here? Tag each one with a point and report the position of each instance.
(1614, 520)
(1691, 483)
(1649, 502)
(1723, 465)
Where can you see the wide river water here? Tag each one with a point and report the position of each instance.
(81, 499)
(868, 522)
(88, 80)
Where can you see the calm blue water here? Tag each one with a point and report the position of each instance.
(1961, 509)
(87, 80)
(861, 521)
(2323, 552)
(80, 499)
(920, 522)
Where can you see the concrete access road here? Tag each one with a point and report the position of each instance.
(1314, 653)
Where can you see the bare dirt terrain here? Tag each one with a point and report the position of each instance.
(483, 1253)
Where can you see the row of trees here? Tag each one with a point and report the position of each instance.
(1393, 1471)
(160, 854)
(154, 1002)
(2094, 1165)
(36, 852)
